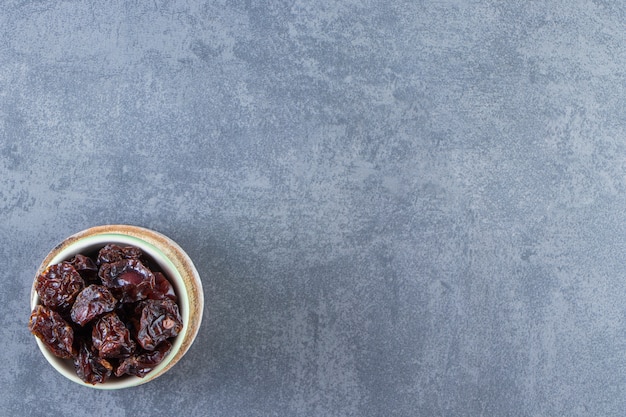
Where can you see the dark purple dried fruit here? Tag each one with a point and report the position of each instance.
(90, 367)
(111, 337)
(113, 253)
(128, 278)
(86, 267)
(92, 302)
(121, 319)
(53, 331)
(162, 288)
(59, 285)
(158, 320)
(144, 362)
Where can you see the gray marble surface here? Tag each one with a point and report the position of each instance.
(398, 208)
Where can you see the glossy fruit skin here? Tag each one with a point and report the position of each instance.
(53, 331)
(92, 302)
(158, 321)
(58, 286)
(111, 313)
(111, 337)
(90, 367)
(113, 253)
(142, 363)
(162, 288)
(129, 279)
(86, 267)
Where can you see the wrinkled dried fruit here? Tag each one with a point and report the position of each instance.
(128, 278)
(162, 288)
(59, 285)
(54, 332)
(90, 367)
(118, 323)
(92, 302)
(113, 253)
(85, 266)
(143, 363)
(158, 320)
(111, 337)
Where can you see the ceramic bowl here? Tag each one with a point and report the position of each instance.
(175, 265)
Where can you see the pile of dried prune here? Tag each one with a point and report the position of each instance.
(112, 313)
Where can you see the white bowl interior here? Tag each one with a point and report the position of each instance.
(93, 243)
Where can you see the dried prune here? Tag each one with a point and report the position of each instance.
(90, 367)
(92, 302)
(158, 320)
(113, 253)
(144, 362)
(111, 313)
(59, 285)
(85, 266)
(162, 288)
(54, 332)
(128, 278)
(111, 337)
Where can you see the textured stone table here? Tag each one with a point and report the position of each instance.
(397, 208)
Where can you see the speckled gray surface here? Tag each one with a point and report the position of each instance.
(397, 208)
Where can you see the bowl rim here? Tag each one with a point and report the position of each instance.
(174, 262)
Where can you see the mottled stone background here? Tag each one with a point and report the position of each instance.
(398, 208)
